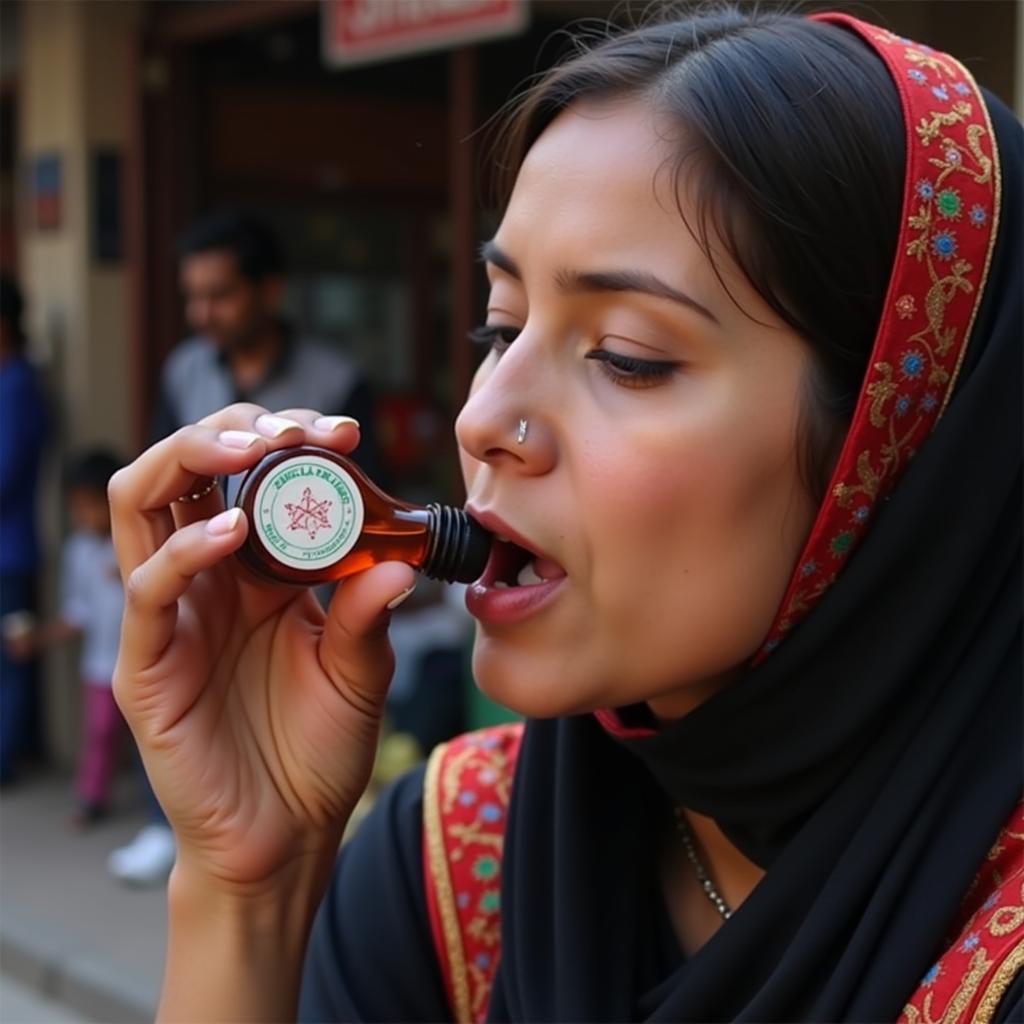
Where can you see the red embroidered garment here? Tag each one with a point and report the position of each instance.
(465, 801)
(950, 211)
(466, 797)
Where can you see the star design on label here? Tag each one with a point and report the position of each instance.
(309, 515)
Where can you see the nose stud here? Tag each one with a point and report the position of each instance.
(522, 431)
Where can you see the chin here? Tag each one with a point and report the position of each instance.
(529, 683)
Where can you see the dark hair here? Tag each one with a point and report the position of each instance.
(12, 308)
(795, 130)
(255, 246)
(91, 470)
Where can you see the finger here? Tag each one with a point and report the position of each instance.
(141, 494)
(354, 649)
(153, 589)
(340, 433)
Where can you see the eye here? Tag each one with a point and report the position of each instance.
(496, 337)
(630, 372)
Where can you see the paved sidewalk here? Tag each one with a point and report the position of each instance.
(69, 932)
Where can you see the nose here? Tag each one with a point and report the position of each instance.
(197, 311)
(507, 419)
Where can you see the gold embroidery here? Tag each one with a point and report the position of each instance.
(993, 169)
(955, 1007)
(927, 60)
(927, 131)
(443, 887)
(1000, 982)
(1006, 920)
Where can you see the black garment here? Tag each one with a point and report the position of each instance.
(868, 763)
(371, 955)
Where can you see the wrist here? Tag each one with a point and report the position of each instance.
(235, 950)
(294, 890)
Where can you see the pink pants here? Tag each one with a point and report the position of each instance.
(102, 729)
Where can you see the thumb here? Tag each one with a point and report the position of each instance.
(354, 649)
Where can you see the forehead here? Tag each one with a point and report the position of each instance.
(599, 175)
(212, 265)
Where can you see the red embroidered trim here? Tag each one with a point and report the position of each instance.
(465, 804)
(972, 976)
(950, 211)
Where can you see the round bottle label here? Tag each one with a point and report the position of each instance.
(308, 512)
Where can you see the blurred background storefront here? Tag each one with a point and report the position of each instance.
(122, 121)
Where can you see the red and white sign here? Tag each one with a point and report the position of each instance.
(360, 31)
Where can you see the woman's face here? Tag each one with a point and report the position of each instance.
(658, 480)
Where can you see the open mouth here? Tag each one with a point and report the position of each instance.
(511, 565)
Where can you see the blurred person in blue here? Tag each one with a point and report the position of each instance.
(91, 606)
(232, 271)
(23, 434)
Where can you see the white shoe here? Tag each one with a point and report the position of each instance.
(147, 859)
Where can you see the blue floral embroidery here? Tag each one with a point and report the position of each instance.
(939, 92)
(463, 900)
(902, 405)
(490, 812)
(925, 189)
(991, 901)
(490, 742)
(944, 245)
(483, 961)
(488, 776)
(933, 972)
(963, 88)
(912, 364)
(978, 215)
(953, 155)
(971, 942)
(772, 645)
(929, 401)
(918, 76)
(467, 798)
(809, 568)
(861, 513)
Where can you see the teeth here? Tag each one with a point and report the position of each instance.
(502, 538)
(528, 576)
(500, 585)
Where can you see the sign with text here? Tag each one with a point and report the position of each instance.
(361, 31)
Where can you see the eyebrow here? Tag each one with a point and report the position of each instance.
(602, 281)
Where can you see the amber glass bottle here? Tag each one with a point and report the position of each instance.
(314, 517)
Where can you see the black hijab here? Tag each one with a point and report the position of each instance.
(868, 763)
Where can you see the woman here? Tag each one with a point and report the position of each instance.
(748, 436)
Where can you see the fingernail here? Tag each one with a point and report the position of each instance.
(275, 426)
(237, 438)
(329, 423)
(396, 601)
(224, 522)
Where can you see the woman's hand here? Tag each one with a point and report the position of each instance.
(256, 713)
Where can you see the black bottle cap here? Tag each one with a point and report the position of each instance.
(460, 547)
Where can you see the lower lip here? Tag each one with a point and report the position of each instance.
(502, 606)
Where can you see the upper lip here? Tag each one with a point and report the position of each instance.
(492, 521)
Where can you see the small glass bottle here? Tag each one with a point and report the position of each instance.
(315, 517)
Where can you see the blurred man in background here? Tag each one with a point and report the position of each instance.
(232, 273)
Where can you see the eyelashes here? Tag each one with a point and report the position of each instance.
(625, 371)
(498, 338)
(631, 372)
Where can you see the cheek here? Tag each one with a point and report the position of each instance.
(692, 545)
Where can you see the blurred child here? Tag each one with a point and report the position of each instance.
(92, 601)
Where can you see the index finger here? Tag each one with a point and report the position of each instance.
(141, 494)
